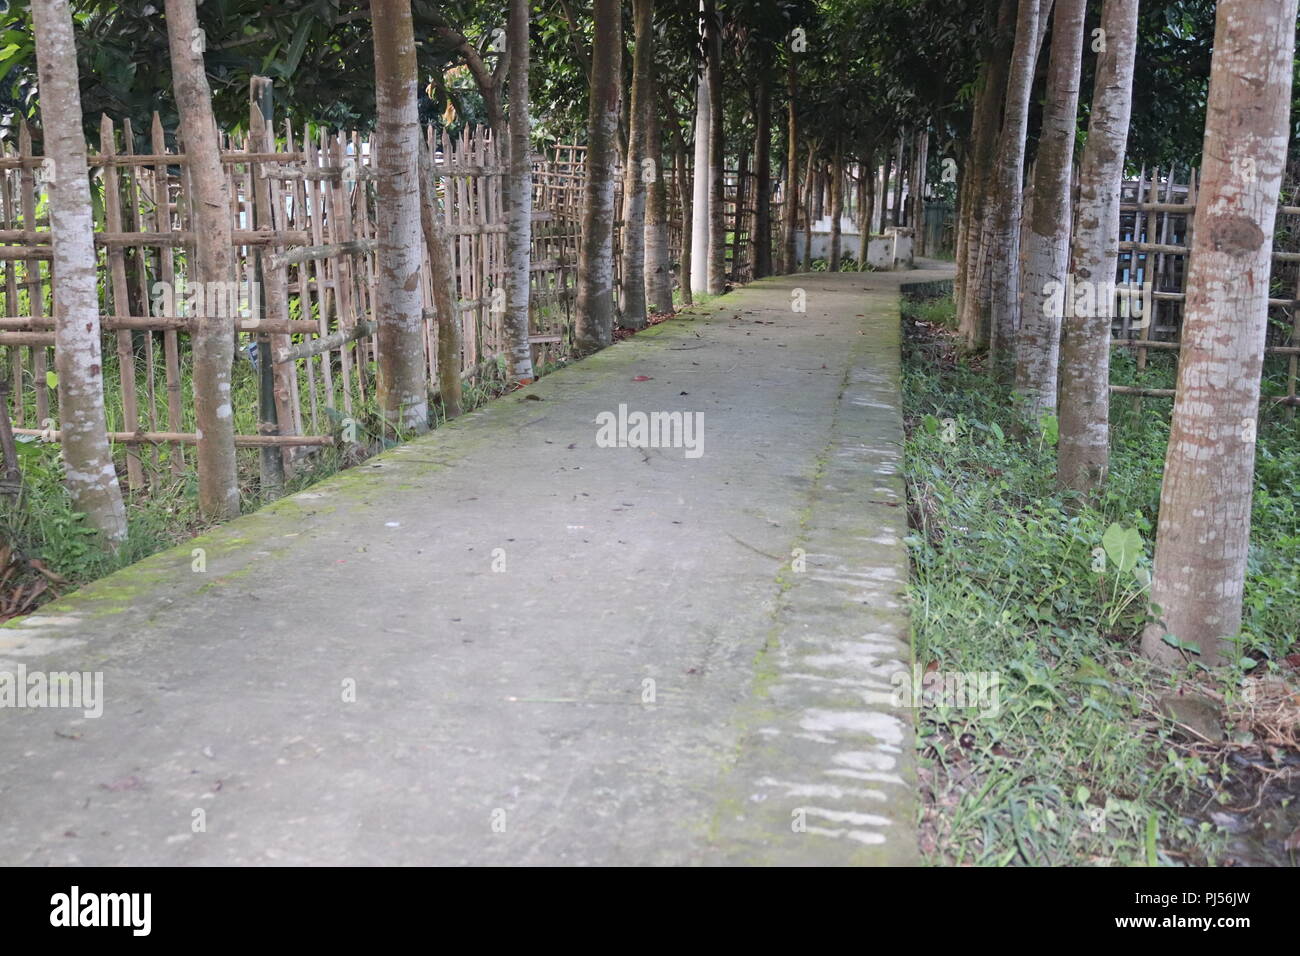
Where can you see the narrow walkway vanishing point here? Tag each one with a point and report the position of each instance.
(503, 643)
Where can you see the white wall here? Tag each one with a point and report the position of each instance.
(891, 251)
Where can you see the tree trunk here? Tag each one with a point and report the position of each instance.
(717, 155)
(403, 399)
(897, 198)
(869, 208)
(89, 474)
(818, 211)
(519, 201)
(1083, 451)
(1002, 256)
(632, 273)
(594, 325)
(920, 156)
(971, 284)
(212, 342)
(860, 199)
(762, 239)
(699, 274)
(443, 281)
(809, 184)
(658, 264)
(1205, 502)
(1047, 252)
(684, 190)
(837, 206)
(790, 190)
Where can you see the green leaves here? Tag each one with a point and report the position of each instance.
(1050, 427)
(1182, 645)
(1123, 547)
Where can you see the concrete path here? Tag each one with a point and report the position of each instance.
(504, 644)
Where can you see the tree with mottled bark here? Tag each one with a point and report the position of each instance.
(89, 474)
(519, 200)
(658, 262)
(717, 250)
(1047, 244)
(685, 190)
(399, 308)
(1083, 449)
(594, 323)
(1001, 254)
(699, 266)
(763, 167)
(970, 287)
(632, 299)
(916, 197)
(837, 206)
(443, 283)
(212, 340)
(790, 188)
(1205, 502)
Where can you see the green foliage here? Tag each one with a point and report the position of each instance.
(1013, 577)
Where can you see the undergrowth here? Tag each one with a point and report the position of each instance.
(47, 548)
(1089, 755)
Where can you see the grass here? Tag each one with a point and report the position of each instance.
(42, 526)
(1081, 763)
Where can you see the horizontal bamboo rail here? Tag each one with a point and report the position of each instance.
(1175, 346)
(160, 323)
(189, 438)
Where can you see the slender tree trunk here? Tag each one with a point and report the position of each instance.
(809, 184)
(869, 208)
(519, 200)
(212, 342)
(897, 198)
(717, 156)
(443, 281)
(699, 274)
(1083, 451)
(658, 264)
(972, 280)
(837, 206)
(1205, 502)
(920, 155)
(1003, 252)
(89, 474)
(632, 274)
(790, 191)
(860, 199)
(763, 174)
(402, 395)
(684, 192)
(1047, 252)
(594, 324)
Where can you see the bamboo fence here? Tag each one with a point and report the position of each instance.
(303, 208)
(1157, 220)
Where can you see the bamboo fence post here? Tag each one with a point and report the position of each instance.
(121, 299)
(167, 275)
(32, 272)
(135, 216)
(11, 291)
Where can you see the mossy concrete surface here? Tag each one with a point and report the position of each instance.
(504, 643)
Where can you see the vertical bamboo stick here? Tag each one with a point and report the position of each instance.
(121, 300)
(32, 275)
(167, 275)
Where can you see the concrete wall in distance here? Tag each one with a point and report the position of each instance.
(893, 250)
